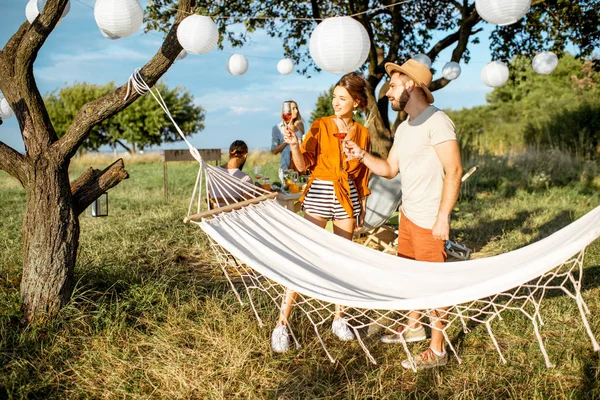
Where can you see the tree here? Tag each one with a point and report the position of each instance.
(141, 124)
(399, 29)
(50, 224)
(559, 110)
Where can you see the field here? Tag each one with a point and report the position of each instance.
(153, 317)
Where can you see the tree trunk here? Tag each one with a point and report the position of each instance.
(50, 240)
(381, 137)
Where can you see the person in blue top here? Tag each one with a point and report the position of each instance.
(279, 146)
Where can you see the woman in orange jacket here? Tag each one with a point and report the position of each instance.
(338, 186)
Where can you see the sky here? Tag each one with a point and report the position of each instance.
(237, 107)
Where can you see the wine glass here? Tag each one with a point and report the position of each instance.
(340, 134)
(286, 112)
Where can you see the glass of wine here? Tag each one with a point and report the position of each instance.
(340, 134)
(286, 112)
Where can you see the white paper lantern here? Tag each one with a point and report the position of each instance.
(31, 11)
(451, 70)
(423, 59)
(494, 74)
(118, 18)
(198, 34)
(182, 54)
(545, 62)
(502, 12)
(237, 65)
(285, 66)
(339, 45)
(5, 110)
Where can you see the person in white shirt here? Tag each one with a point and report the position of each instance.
(426, 154)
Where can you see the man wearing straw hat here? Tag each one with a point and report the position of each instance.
(425, 153)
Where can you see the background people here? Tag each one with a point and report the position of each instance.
(279, 146)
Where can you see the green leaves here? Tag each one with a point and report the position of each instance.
(140, 125)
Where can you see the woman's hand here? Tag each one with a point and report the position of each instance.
(290, 138)
(353, 150)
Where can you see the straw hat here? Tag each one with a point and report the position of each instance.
(417, 72)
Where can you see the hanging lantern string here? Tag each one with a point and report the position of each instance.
(370, 11)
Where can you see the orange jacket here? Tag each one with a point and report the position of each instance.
(322, 154)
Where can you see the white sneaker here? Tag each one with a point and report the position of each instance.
(340, 328)
(280, 339)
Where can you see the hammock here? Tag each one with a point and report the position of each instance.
(270, 248)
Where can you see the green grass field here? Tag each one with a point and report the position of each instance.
(152, 315)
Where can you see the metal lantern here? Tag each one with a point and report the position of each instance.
(197, 34)
(494, 74)
(182, 54)
(545, 62)
(285, 66)
(451, 70)
(118, 18)
(423, 59)
(99, 208)
(502, 12)
(339, 45)
(237, 65)
(5, 110)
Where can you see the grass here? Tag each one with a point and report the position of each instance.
(153, 317)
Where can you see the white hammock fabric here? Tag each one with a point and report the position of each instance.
(269, 248)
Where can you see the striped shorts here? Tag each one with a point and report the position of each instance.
(321, 201)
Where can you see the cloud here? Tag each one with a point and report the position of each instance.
(235, 110)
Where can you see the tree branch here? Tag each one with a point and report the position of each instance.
(14, 163)
(92, 183)
(97, 111)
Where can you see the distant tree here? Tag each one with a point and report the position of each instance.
(400, 30)
(559, 110)
(323, 105)
(140, 125)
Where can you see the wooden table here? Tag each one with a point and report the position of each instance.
(289, 200)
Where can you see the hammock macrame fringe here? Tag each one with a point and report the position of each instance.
(525, 299)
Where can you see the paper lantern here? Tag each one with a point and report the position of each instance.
(494, 74)
(198, 34)
(423, 59)
(182, 54)
(339, 45)
(285, 66)
(33, 8)
(5, 110)
(451, 70)
(118, 18)
(31, 11)
(502, 12)
(237, 65)
(545, 62)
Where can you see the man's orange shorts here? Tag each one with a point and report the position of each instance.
(418, 243)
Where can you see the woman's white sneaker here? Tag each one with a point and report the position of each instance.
(340, 328)
(280, 339)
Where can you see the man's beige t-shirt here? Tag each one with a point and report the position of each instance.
(421, 171)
